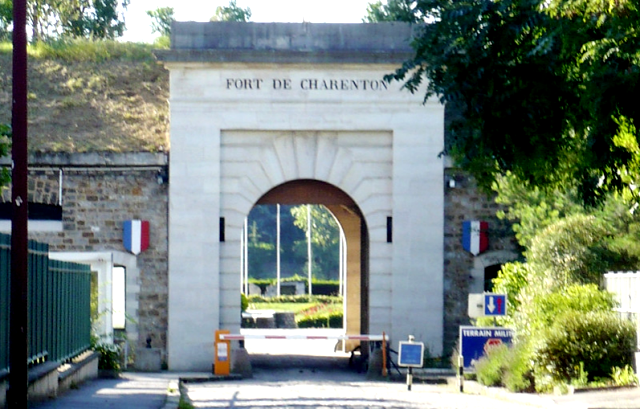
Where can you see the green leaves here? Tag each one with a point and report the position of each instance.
(537, 86)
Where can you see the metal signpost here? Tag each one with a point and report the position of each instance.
(410, 354)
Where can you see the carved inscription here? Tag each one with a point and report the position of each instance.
(306, 84)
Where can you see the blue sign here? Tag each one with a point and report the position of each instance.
(410, 354)
(495, 305)
(475, 341)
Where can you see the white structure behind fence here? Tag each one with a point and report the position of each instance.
(626, 287)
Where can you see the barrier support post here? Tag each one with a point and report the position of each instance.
(384, 355)
(222, 354)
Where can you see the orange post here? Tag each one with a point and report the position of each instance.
(222, 354)
(384, 354)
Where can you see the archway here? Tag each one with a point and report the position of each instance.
(354, 228)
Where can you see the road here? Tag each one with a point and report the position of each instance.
(325, 388)
(309, 374)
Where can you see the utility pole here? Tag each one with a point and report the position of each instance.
(18, 376)
(278, 251)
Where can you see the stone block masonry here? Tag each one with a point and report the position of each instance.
(98, 194)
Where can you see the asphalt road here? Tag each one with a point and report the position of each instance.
(325, 388)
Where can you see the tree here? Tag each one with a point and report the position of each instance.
(544, 89)
(325, 239)
(6, 16)
(393, 10)
(232, 13)
(73, 18)
(161, 20)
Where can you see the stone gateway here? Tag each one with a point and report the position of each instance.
(300, 113)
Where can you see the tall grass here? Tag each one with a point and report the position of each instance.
(85, 50)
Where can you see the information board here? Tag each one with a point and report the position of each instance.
(411, 354)
(475, 341)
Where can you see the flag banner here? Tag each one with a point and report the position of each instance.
(475, 238)
(136, 236)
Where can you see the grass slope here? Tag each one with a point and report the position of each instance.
(88, 96)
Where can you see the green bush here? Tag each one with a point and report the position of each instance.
(321, 320)
(490, 368)
(244, 302)
(109, 356)
(254, 299)
(599, 340)
(518, 374)
(508, 366)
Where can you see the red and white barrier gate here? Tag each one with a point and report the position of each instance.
(363, 337)
(225, 338)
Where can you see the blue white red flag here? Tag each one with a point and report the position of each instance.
(475, 238)
(136, 236)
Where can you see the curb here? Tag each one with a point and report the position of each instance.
(173, 395)
(530, 399)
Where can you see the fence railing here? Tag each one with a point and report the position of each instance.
(59, 305)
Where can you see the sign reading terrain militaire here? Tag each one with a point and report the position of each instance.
(476, 341)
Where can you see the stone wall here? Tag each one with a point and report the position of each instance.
(98, 194)
(463, 272)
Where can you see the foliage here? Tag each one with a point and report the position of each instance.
(325, 239)
(5, 143)
(109, 356)
(82, 50)
(6, 17)
(295, 299)
(232, 13)
(52, 19)
(624, 376)
(489, 369)
(571, 250)
(161, 19)
(244, 302)
(565, 72)
(322, 319)
(393, 10)
(599, 341)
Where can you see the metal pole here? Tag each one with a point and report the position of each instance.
(18, 376)
(246, 255)
(309, 262)
(278, 252)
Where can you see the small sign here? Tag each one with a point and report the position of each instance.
(476, 341)
(495, 305)
(411, 354)
(223, 352)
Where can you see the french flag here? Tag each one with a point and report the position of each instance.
(475, 238)
(136, 236)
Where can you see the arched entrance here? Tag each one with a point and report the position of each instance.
(354, 227)
(246, 121)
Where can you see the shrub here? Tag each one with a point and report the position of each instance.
(518, 374)
(109, 356)
(321, 320)
(489, 369)
(244, 302)
(599, 340)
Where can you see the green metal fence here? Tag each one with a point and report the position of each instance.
(59, 305)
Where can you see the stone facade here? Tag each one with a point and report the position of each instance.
(464, 272)
(97, 197)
